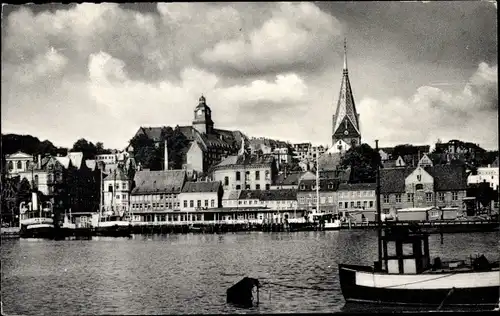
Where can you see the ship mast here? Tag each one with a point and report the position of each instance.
(379, 215)
(317, 183)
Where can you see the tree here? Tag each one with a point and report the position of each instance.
(363, 161)
(177, 145)
(100, 150)
(88, 149)
(145, 152)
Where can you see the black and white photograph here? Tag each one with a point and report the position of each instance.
(173, 158)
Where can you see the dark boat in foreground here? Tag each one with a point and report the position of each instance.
(404, 275)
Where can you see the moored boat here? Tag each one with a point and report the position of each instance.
(36, 221)
(404, 275)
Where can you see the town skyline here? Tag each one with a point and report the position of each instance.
(272, 71)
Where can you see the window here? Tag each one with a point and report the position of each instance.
(267, 174)
(212, 203)
(124, 185)
(198, 203)
(36, 180)
(247, 186)
(386, 198)
(302, 187)
(398, 198)
(117, 186)
(19, 165)
(226, 181)
(409, 197)
(358, 204)
(257, 187)
(419, 186)
(352, 204)
(257, 175)
(191, 203)
(11, 165)
(238, 176)
(454, 196)
(428, 196)
(206, 203)
(365, 204)
(371, 204)
(441, 197)
(110, 188)
(267, 186)
(340, 204)
(238, 187)
(346, 204)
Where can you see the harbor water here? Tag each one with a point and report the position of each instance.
(186, 274)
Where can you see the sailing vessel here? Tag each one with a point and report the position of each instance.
(35, 221)
(111, 223)
(404, 275)
(329, 220)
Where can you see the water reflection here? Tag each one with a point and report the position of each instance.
(182, 274)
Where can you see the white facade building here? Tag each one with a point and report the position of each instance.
(485, 174)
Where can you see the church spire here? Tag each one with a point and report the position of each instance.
(345, 56)
(346, 119)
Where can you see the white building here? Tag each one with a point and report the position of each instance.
(116, 192)
(485, 174)
(18, 162)
(197, 196)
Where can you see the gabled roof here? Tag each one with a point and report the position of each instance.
(116, 175)
(289, 179)
(392, 180)
(357, 186)
(164, 181)
(231, 194)
(448, 177)
(201, 187)
(76, 159)
(495, 163)
(245, 160)
(19, 155)
(64, 161)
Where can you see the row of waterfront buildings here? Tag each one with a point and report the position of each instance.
(226, 175)
(249, 186)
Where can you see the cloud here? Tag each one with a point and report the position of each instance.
(172, 103)
(297, 34)
(432, 113)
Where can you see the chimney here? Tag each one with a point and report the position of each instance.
(166, 156)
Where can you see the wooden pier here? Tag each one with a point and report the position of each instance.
(436, 226)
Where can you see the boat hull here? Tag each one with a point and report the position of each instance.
(113, 230)
(480, 289)
(37, 231)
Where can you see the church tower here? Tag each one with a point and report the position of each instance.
(346, 119)
(203, 117)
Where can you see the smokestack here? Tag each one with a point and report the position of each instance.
(166, 156)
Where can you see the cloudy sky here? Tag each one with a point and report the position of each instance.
(419, 71)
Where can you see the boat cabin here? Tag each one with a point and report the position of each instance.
(404, 251)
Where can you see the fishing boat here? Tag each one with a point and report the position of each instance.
(35, 220)
(404, 274)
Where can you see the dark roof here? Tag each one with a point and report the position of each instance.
(269, 195)
(392, 180)
(118, 175)
(201, 187)
(387, 150)
(246, 160)
(324, 185)
(165, 181)
(448, 177)
(356, 186)
(289, 179)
